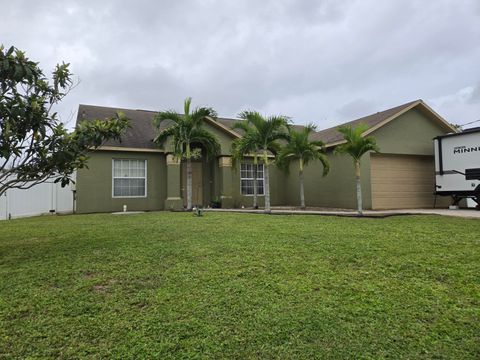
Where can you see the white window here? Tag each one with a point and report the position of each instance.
(246, 179)
(129, 178)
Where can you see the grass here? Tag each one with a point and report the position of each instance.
(170, 285)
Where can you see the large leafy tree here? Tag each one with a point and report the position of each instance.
(304, 150)
(185, 132)
(356, 145)
(34, 144)
(265, 133)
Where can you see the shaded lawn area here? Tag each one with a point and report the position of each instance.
(171, 285)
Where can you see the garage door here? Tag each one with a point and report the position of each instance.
(402, 181)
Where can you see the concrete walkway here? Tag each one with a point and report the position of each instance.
(465, 213)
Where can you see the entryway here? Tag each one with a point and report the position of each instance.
(197, 183)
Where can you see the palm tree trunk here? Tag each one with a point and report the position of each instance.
(189, 184)
(266, 186)
(359, 187)
(255, 188)
(302, 191)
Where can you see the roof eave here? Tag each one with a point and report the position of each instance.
(223, 127)
(128, 149)
(440, 119)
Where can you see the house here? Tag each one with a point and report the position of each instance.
(136, 173)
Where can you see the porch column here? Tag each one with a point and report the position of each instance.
(226, 193)
(174, 198)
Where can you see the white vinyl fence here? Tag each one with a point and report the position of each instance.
(45, 198)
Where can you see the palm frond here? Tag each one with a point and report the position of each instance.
(166, 116)
(309, 128)
(283, 160)
(248, 114)
(240, 148)
(325, 163)
(244, 145)
(186, 106)
(278, 121)
(241, 125)
(318, 143)
(199, 115)
(186, 129)
(165, 134)
(207, 140)
(253, 118)
(300, 147)
(274, 147)
(261, 134)
(356, 145)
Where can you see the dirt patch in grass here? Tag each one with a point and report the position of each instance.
(104, 287)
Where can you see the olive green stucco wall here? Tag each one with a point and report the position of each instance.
(410, 134)
(336, 190)
(94, 185)
(223, 138)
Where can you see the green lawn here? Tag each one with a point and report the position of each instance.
(171, 285)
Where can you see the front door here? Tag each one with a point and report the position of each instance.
(197, 183)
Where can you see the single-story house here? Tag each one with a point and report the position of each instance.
(136, 173)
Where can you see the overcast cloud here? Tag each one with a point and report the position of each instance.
(324, 61)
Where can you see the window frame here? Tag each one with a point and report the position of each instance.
(258, 178)
(116, 177)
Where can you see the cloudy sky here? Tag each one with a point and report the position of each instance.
(323, 61)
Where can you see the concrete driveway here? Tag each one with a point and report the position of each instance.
(465, 213)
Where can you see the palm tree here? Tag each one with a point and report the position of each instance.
(186, 131)
(356, 145)
(301, 148)
(262, 134)
(247, 144)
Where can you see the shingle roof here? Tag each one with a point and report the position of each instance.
(142, 130)
(331, 135)
(229, 123)
(139, 135)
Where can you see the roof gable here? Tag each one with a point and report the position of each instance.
(332, 137)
